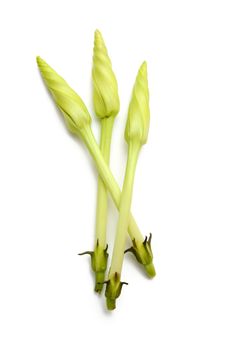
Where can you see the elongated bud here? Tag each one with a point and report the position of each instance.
(137, 126)
(73, 108)
(105, 88)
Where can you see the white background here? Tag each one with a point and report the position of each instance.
(184, 189)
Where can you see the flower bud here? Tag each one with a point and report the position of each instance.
(105, 88)
(137, 126)
(73, 108)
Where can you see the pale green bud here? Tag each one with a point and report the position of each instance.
(105, 88)
(137, 126)
(73, 108)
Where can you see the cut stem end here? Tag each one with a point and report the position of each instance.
(150, 270)
(113, 290)
(143, 254)
(110, 304)
(99, 281)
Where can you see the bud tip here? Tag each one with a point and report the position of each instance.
(143, 68)
(38, 58)
(40, 62)
(98, 39)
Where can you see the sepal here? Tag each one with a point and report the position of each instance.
(143, 254)
(99, 259)
(113, 290)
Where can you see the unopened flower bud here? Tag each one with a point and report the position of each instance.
(105, 88)
(137, 126)
(73, 108)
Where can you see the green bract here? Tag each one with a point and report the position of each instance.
(99, 259)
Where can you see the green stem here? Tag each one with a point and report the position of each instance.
(141, 247)
(101, 211)
(124, 210)
(107, 177)
(99, 256)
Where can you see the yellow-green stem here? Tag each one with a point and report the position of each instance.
(101, 211)
(124, 209)
(107, 177)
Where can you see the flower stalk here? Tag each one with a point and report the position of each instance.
(136, 136)
(78, 121)
(106, 105)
